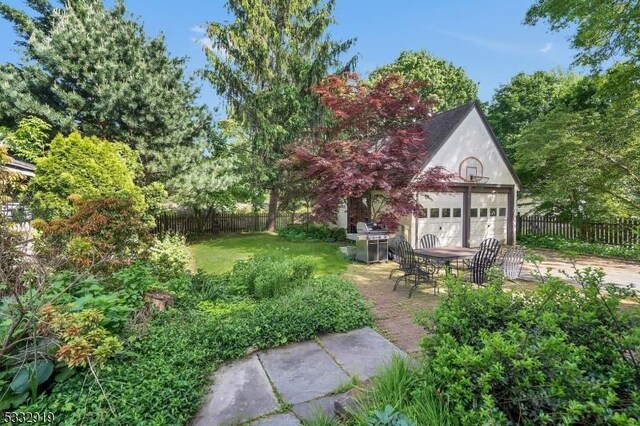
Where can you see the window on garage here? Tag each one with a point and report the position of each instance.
(483, 212)
(434, 213)
(457, 212)
(446, 212)
(493, 212)
(502, 212)
(474, 212)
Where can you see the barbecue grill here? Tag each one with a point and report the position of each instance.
(372, 242)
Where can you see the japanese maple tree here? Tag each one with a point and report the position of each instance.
(373, 144)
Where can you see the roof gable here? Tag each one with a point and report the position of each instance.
(440, 128)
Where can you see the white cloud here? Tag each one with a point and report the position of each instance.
(546, 49)
(496, 45)
(198, 29)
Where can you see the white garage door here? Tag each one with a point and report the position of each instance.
(442, 217)
(488, 218)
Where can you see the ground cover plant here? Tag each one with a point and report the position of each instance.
(164, 368)
(312, 233)
(557, 242)
(219, 254)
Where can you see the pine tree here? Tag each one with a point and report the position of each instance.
(90, 68)
(264, 62)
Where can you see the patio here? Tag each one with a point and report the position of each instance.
(395, 313)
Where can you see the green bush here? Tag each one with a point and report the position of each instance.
(268, 275)
(556, 242)
(170, 257)
(312, 233)
(555, 355)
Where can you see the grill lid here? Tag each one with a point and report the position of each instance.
(369, 228)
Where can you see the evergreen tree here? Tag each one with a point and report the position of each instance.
(90, 68)
(264, 62)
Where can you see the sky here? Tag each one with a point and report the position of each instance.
(485, 37)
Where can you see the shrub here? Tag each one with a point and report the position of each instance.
(556, 242)
(268, 275)
(170, 257)
(555, 355)
(86, 167)
(312, 233)
(102, 234)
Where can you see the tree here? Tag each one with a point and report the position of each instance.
(447, 85)
(374, 144)
(524, 99)
(581, 160)
(263, 63)
(92, 69)
(85, 167)
(604, 29)
(29, 139)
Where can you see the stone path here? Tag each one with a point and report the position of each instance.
(301, 377)
(393, 311)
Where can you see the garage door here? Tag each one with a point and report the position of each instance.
(488, 218)
(442, 216)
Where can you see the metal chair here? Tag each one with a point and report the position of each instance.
(512, 262)
(429, 241)
(480, 264)
(419, 271)
(398, 255)
(491, 244)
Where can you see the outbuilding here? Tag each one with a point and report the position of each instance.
(482, 199)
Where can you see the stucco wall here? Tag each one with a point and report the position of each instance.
(472, 139)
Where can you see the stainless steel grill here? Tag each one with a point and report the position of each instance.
(372, 242)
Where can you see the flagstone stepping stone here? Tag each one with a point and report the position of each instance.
(302, 371)
(308, 409)
(360, 352)
(286, 419)
(241, 391)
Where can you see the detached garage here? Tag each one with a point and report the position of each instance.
(482, 201)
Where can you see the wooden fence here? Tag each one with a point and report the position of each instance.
(183, 223)
(620, 232)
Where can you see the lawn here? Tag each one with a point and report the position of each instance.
(218, 254)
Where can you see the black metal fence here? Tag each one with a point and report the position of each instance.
(620, 232)
(219, 223)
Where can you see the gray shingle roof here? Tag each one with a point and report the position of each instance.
(23, 165)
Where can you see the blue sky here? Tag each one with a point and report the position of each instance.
(486, 37)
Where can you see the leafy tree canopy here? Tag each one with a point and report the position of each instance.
(524, 99)
(582, 158)
(447, 85)
(603, 29)
(92, 69)
(374, 144)
(29, 139)
(84, 167)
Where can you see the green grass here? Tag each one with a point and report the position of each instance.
(218, 254)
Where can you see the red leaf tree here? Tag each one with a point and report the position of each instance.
(374, 144)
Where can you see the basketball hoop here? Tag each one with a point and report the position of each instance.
(474, 179)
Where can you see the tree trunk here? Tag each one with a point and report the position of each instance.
(273, 209)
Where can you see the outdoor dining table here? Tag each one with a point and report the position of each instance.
(445, 254)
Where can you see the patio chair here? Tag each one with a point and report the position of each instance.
(512, 262)
(429, 241)
(412, 268)
(396, 252)
(491, 244)
(480, 264)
